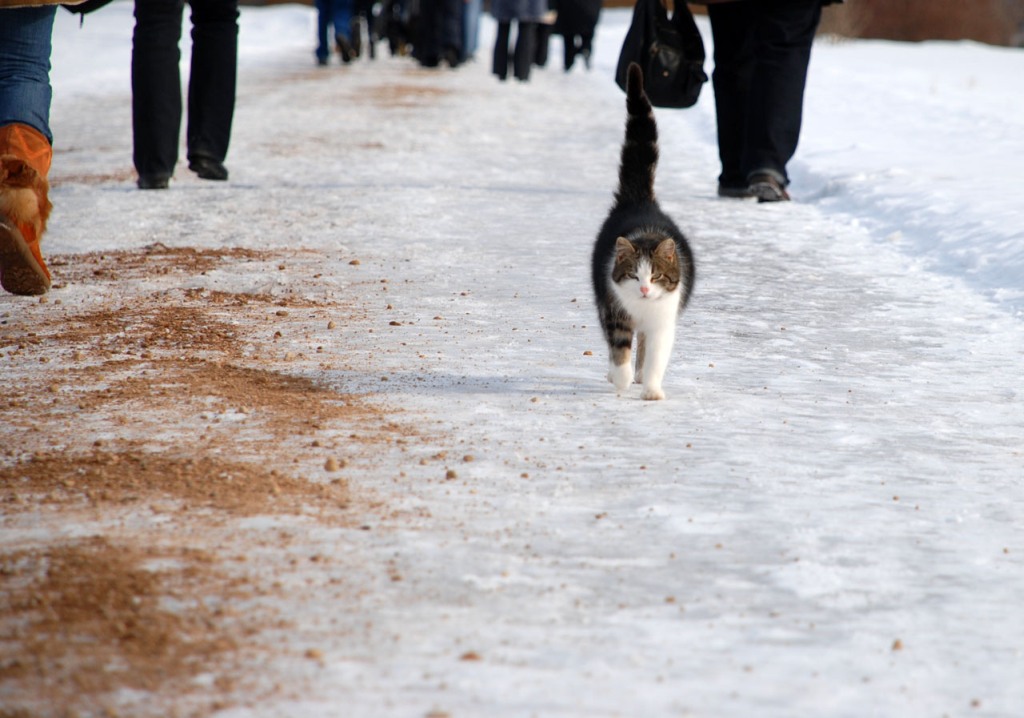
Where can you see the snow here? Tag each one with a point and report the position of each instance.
(838, 465)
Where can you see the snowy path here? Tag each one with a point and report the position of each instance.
(823, 519)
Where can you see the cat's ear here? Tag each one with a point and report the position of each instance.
(623, 248)
(666, 250)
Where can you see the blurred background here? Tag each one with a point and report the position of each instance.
(996, 22)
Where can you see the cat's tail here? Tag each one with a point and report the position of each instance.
(640, 148)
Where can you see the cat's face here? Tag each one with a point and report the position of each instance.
(646, 269)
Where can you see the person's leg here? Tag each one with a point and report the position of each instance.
(542, 41)
(732, 32)
(784, 34)
(25, 92)
(323, 19)
(427, 43)
(500, 64)
(342, 19)
(451, 31)
(587, 46)
(25, 147)
(592, 13)
(355, 28)
(156, 89)
(211, 86)
(526, 49)
(568, 50)
(470, 27)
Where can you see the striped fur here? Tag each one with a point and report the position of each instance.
(640, 149)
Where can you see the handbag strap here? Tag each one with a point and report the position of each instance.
(693, 43)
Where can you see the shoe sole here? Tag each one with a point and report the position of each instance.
(153, 184)
(205, 174)
(736, 192)
(20, 273)
(766, 192)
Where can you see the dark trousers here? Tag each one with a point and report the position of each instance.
(525, 51)
(438, 32)
(762, 50)
(577, 21)
(581, 44)
(156, 82)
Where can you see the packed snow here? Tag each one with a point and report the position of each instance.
(824, 516)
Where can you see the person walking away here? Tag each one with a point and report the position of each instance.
(471, 10)
(762, 52)
(526, 14)
(156, 88)
(577, 23)
(336, 15)
(26, 143)
(438, 33)
(363, 13)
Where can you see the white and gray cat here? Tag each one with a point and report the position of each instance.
(642, 265)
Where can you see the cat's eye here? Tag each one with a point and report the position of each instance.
(657, 277)
(631, 276)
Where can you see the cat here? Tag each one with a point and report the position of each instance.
(642, 265)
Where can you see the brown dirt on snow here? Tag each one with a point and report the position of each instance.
(89, 620)
(179, 409)
(125, 477)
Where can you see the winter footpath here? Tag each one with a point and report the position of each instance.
(333, 439)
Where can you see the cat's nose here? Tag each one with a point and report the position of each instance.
(645, 290)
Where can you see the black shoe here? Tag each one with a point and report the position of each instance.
(735, 191)
(208, 168)
(154, 181)
(344, 49)
(450, 56)
(767, 188)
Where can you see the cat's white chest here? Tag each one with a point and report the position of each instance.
(649, 313)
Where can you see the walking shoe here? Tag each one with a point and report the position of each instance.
(767, 188)
(25, 156)
(734, 191)
(154, 181)
(345, 49)
(208, 168)
(22, 270)
(450, 56)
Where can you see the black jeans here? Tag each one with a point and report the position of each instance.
(439, 32)
(762, 50)
(525, 51)
(156, 82)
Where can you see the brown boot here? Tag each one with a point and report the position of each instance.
(25, 156)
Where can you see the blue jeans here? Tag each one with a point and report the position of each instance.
(25, 91)
(471, 10)
(332, 12)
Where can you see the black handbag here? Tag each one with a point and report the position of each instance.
(670, 52)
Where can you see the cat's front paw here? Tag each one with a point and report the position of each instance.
(638, 376)
(652, 393)
(620, 376)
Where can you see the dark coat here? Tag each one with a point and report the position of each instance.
(525, 10)
(577, 17)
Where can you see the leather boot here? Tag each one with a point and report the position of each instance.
(25, 156)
